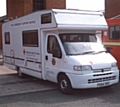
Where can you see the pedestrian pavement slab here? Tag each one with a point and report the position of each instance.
(4, 70)
(11, 84)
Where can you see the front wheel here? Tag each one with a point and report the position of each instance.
(64, 84)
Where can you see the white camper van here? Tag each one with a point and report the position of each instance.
(60, 46)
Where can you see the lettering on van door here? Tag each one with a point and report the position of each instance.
(31, 55)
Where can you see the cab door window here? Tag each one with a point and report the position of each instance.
(53, 46)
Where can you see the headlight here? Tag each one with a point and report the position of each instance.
(82, 68)
(114, 64)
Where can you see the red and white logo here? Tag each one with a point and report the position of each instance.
(24, 51)
(91, 62)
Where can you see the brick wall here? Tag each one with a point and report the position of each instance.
(28, 6)
(22, 7)
(55, 4)
(15, 8)
(112, 8)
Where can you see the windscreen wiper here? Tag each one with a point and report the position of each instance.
(89, 52)
(100, 52)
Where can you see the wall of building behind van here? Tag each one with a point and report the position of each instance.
(23, 7)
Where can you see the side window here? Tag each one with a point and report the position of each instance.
(46, 18)
(114, 32)
(92, 38)
(53, 46)
(30, 38)
(7, 37)
(50, 44)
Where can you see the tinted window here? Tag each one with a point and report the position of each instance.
(114, 32)
(78, 37)
(30, 38)
(46, 18)
(7, 37)
(53, 45)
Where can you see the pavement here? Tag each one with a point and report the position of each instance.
(11, 84)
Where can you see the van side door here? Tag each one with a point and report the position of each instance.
(53, 58)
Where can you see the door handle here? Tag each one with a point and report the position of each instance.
(46, 57)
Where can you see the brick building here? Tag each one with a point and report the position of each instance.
(112, 8)
(18, 8)
(23, 7)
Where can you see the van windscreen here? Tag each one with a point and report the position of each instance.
(79, 44)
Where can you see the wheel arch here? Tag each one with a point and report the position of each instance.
(62, 73)
(63, 77)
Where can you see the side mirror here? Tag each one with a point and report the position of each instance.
(57, 53)
(109, 49)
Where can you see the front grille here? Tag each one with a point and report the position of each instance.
(102, 74)
(101, 70)
(101, 79)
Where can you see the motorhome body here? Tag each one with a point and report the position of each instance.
(60, 46)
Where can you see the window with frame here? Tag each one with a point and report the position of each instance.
(38, 5)
(7, 37)
(46, 18)
(53, 45)
(78, 37)
(114, 32)
(30, 38)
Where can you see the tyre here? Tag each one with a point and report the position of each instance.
(19, 73)
(64, 84)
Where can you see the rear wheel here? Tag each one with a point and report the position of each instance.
(64, 84)
(19, 73)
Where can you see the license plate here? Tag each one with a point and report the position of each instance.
(103, 84)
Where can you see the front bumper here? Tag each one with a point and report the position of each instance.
(94, 81)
